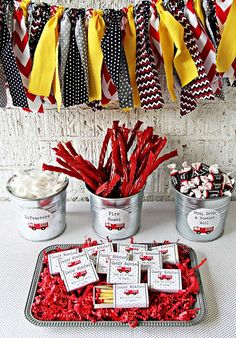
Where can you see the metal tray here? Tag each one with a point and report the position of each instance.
(200, 302)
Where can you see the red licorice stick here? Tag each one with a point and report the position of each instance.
(60, 170)
(67, 166)
(104, 149)
(164, 158)
(140, 182)
(133, 168)
(63, 153)
(161, 146)
(90, 167)
(133, 134)
(142, 166)
(101, 188)
(71, 148)
(88, 180)
(111, 185)
(116, 152)
(125, 132)
(108, 165)
(78, 165)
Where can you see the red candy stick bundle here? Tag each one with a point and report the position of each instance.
(123, 171)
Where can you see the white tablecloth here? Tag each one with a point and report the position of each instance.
(18, 258)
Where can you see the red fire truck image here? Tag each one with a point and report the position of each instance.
(167, 277)
(73, 263)
(113, 226)
(123, 269)
(146, 258)
(200, 230)
(37, 226)
(131, 292)
(164, 251)
(80, 274)
(131, 249)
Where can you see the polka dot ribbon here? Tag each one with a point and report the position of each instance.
(75, 78)
(114, 57)
(8, 61)
(146, 70)
(3, 94)
(64, 44)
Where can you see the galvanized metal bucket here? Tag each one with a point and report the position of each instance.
(201, 220)
(116, 218)
(40, 219)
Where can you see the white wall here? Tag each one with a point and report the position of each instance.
(208, 134)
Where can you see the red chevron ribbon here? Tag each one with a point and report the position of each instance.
(23, 60)
(205, 47)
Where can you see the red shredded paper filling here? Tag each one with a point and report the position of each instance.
(53, 302)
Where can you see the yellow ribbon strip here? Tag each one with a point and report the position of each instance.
(130, 53)
(96, 30)
(226, 52)
(172, 32)
(44, 74)
(197, 4)
(24, 5)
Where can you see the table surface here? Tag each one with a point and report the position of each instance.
(18, 258)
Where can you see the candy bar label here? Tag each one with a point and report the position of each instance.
(166, 280)
(92, 251)
(70, 262)
(120, 272)
(169, 252)
(114, 220)
(103, 259)
(53, 259)
(131, 248)
(203, 221)
(131, 295)
(79, 276)
(148, 259)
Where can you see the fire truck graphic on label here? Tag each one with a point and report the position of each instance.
(38, 226)
(114, 226)
(131, 292)
(80, 274)
(203, 230)
(146, 258)
(123, 269)
(167, 277)
(70, 264)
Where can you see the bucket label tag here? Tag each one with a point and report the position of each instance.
(37, 219)
(203, 221)
(114, 220)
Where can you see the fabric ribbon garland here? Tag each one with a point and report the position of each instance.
(8, 61)
(114, 57)
(121, 57)
(146, 71)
